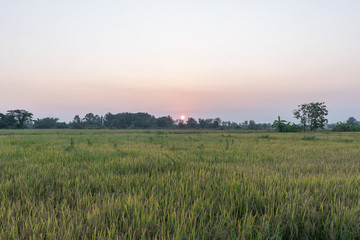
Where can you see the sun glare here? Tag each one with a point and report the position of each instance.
(182, 117)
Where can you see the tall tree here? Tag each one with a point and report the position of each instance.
(312, 114)
(21, 116)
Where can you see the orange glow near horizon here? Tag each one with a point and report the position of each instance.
(182, 117)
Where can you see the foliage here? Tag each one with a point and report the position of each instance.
(279, 125)
(45, 123)
(206, 123)
(165, 122)
(253, 125)
(7, 121)
(178, 185)
(92, 121)
(345, 127)
(352, 121)
(264, 137)
(312, 114)
(61, 125)
(191, 123)
(283, 126)
(77, 123)
(129, 120)
(20, 116)
(124, 121)
(309, 138)
(292, 127)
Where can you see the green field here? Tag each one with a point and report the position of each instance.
(172, 184)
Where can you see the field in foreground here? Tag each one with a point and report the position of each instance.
(103, 184)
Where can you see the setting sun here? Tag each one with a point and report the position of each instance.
(182, 117)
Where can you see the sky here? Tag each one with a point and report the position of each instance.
(237, 60)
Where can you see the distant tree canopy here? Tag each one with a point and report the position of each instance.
(23, 119)
(92, 121)
(129, 120)
(45, 123)
(352, 121)
(7, 121)
(192, 123)
(311, 116)
(15, 118)
(77, 123)
(165, 122)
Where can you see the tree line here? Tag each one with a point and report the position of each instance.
(24, 119)
(312, 116)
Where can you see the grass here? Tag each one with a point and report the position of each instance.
(309, 138)
(113, 184)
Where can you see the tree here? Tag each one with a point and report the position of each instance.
(77, 123)
(7, 121)
(312, 114)
(352, 121)
(253, 125)
(165, 122)
(45, 123)
(92, 121)
(61, 125)
(302, 114)
(217, 122)
(206, 123)
(21, 116)
(279, 125)
(191, 123)
(2, 121)
(181, 123)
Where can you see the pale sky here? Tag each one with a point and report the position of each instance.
(237, 60)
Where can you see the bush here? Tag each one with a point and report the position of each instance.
(344, 127)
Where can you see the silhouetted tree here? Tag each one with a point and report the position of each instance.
(77, 123)
(92, 121)
(129, 120)
(191, 123)
(45, 123)
(21, 117)
(207, 123)
(165, 122)
(7, 121)
(352, 121)
(253, 125)
(2, 121)
(216, 122)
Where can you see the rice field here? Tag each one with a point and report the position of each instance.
(173, 184)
